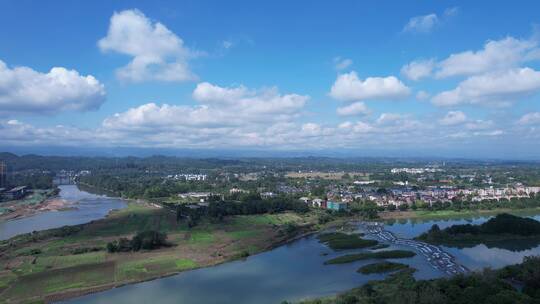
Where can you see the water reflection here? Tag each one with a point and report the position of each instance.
(490, 254)
(481, 256)
(296, 271)
(292, 272)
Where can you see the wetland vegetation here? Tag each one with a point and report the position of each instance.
(512, 284)
(342, 241)
(381, 267)
(386, 254)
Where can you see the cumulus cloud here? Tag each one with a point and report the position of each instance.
(387, 118)
(496, 55)
(530, 119)
(418, 69)
(357, 108)
(497, 88)
(15, 132)
(170, 126)
(236, 109)
(158, 54)
(342, 63)
(241, 100)
(453, 118)
(479, 125)
(426, 23)
(421, 24)
(23, 89)
(224, 117)
(348, 87)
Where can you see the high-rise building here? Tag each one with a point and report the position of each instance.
(3, 174)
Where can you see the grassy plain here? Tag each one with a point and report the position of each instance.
(45, 266)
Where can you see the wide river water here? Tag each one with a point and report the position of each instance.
(290, 272)
(84, 207)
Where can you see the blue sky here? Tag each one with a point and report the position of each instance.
(449, 77)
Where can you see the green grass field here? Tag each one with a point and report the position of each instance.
(141, 269)
(41, 283)
(45, 264)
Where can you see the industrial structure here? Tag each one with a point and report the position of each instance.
(3, 174)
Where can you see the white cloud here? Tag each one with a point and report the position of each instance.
(348, 87)
(23, 89)
(422, 95)
(158, 54)
(452, 11)
(227, 44)
(453, 118)
(497, 88)
(311, 129)
(236, 109)
(479, 125)
(224, 117)
(250, 102)
(169, 126)
(387, 118)
(418, 69)
(489, 133)
(357, 108)
(464, 134)
(342, 63)
(15, 132)
(530, 119)
(496, 55)
(421, 24)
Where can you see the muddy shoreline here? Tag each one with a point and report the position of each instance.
(52, 203)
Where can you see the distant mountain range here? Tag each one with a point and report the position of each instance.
(425, 154)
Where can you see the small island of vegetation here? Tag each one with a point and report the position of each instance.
(500, 228)
(482, 287)
(342, 241)
(382, 267)
(387, 254)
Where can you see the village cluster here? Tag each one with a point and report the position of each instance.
(432, 194)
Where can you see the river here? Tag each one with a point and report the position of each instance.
(296, 271)
(290, 272)
(85, 207)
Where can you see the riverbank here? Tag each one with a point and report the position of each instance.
(38, 201)
(69, 262)
(451, 214)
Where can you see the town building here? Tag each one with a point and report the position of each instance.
(336, 206)
(200, 196)
(15, 193)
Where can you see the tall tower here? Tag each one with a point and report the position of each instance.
(3, 174)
